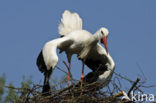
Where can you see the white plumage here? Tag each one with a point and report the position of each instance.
(80, 42)
(69, 22)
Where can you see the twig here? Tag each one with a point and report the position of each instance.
(17, 88)
(123, 77)
(149, 86)
(134, 85)
(119, 94)
(66, 73)
(141, 71)
(61, 70)
(63, 90)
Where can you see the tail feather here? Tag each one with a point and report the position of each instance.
(69, 22)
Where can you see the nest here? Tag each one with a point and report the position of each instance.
(89, 93)
(72, 94)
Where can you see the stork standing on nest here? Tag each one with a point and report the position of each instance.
(75, 40)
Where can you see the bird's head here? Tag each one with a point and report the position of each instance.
(103, 37)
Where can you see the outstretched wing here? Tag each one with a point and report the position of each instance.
(69, 22)
(48, 58)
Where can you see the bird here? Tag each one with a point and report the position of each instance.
(75, 40)
(102, 66)
(98, 56)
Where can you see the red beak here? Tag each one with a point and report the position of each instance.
(104, 40)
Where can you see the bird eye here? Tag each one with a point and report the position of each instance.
(102, 33)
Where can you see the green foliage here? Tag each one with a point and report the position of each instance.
(2, 84)
(12, 96)
(25, 84)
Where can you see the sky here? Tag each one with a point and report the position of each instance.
(26, 25)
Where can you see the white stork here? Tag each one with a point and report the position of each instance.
(75, 40)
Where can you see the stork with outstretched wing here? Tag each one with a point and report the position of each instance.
(75, 40)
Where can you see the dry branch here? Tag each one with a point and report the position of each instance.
(88, 94)
(133, 86)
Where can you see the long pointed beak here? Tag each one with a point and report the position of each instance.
(104, 39)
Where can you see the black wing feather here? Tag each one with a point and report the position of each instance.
(40, 63)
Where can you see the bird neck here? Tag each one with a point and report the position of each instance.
(97, 36)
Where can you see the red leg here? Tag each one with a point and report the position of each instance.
(82, 74)
(68, 75)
